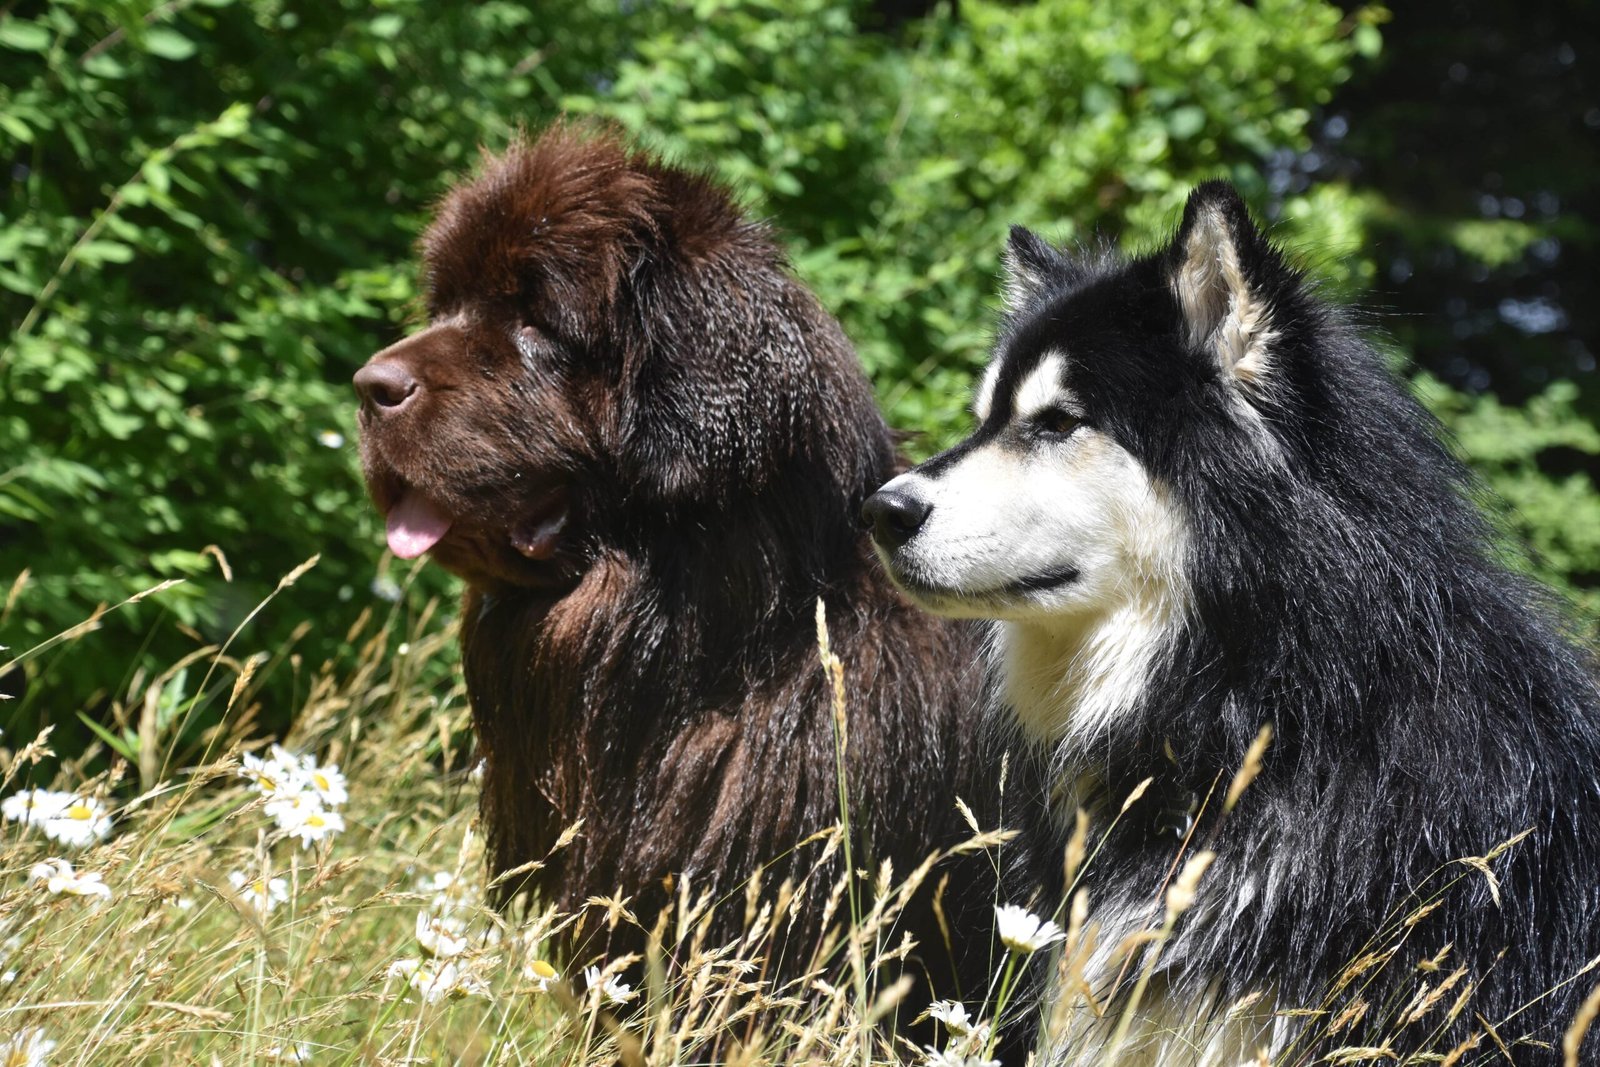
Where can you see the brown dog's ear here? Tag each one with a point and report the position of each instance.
(553, 225)
(1213, 264)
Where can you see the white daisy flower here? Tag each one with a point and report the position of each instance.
(438, 882)
(293, 807)
(301, 794)
(434, 980)
(32, 807)
(541, 974)
(310, 823)
(441, 936)
(1023, 932)
(266, 775)
(79, 822)
(27, 1047)
(326, 781)
(59, 877)
(11, 944)
(449, 893)
(261, 894)
(934, 1058)
(288, 803)
(330, 439)
(299, 1052)
(611, 991)
(953, 1014)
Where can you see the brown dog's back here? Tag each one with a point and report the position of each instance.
(647, 445)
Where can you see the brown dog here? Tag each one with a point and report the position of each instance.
(643, 445)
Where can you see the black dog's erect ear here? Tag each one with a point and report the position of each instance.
(1029, 261)
(1215, 270)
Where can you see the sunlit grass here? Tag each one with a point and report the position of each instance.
(215, 928)
(207, 924)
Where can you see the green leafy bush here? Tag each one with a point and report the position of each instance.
(1555, 517)
(896, 166)
(211, 206)
(207, 230)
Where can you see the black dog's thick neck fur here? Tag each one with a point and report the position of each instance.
(1427, 703)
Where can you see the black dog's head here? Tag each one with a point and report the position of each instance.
(1193, 429)
(1062, 501)
(613, 349)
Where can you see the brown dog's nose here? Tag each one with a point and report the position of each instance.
(385, 386)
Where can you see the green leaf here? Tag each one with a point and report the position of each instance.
(173, 696)
(105, 65)
(126, 749)
(21, 504)
(92, 253)
(1122, 69)
(168, 43)
(1494, 242)
(24, 36)
(387, 26)
(15, 127)
(179, 561)
(1368, 41)
(1185, 122)
(157, 175)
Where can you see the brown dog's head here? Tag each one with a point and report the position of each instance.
(614, 350)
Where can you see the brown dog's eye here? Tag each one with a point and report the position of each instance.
(1055, 422)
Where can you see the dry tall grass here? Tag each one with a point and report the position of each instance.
(376, 947)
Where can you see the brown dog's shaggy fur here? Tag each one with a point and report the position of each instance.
(644, 446)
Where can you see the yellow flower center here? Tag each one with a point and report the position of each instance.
(258, 887)
(316, 821)
(321, 780)
(542, 969)
(80, 812)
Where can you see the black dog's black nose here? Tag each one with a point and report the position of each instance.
(895, 516)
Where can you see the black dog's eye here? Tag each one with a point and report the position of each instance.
(1055, 422)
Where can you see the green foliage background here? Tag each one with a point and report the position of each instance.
(209, 210)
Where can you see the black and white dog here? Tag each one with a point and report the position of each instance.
(1198, 503)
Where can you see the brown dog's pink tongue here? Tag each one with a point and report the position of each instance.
(415, 526)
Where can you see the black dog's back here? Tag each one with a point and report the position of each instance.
(1427, 815)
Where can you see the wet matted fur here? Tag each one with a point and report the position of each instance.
(1198, 503)
(644, 446)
